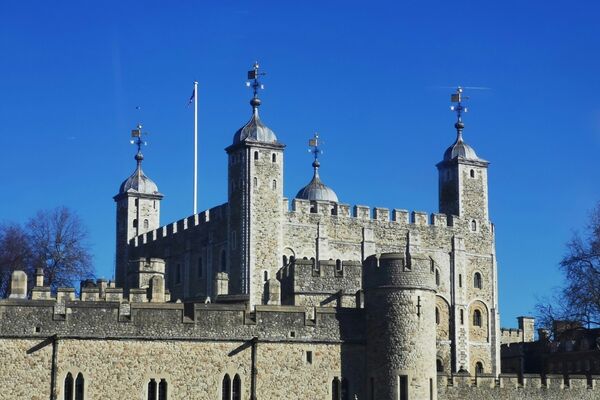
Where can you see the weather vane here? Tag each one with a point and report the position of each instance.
(314, 143)
(253, 81)
(136, 137)
(458, 98)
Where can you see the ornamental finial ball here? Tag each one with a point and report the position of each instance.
(459, 125)
(255, 102)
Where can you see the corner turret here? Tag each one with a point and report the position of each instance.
(463, 189)
(255, 194)
(138, 209)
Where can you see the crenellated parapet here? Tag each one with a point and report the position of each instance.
(513, 386)
(327, 283)
(197, 221)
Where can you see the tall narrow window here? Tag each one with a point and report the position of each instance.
(226, 388)
(200, 268)
(274, 184)
(478, 368)
(477, 280)
(152, 389)
(135, 223)
(473, 225)
(403, 387)
(430, 389)
(255, 182)
(237, 388)
(265, 276)
(345, 391)
(477, 318)
(459, 280)
(335, 389)
(462, 317)
(79, 387)
(162, 390)
(437, 277)
(472, 173)
(178, 273)
(338, 265)
(439, 365)
(223, 261)
(68, 387)
(146, 224)
(256, 155)
(285, 260)
(437, 316)
(274, 157)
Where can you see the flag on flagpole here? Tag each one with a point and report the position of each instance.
(192, 97)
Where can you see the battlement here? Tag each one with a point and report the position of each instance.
(215, 214)
(118, 318)
(397, 270)
(365, 213)
(515, 381)
(324, 282)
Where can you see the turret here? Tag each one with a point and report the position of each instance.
(463, 188)
(255, 198)
(401, 337)
(138, 210)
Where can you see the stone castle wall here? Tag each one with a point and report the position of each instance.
(511, 387)
(195, 245)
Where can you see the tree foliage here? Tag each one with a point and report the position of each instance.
(579, 299)
(55, 240)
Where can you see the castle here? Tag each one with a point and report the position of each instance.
(264, 297)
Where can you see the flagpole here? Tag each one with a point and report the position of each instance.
(195, 147)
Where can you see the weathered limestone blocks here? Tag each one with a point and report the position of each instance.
(18, 285)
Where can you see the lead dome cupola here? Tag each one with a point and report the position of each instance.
(255, 130)
(316, 189)
(138, 182)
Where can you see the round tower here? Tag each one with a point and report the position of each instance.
(401, 330)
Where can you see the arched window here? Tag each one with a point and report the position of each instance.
(285, 260)
(68, 387)
(79, 387)
(152, 389)
(473, 225)
(292, 259)
(226, 388)
(223, 261)
(472, 173)
(477, 318)
(256, 155)
(274, 184)
(437, 316)
(146, 224)
(274, 157)
(265, 276)
(335, 389)
(338, 265)
(237, 388)
(162, 390)
(478, 368)
(345, 391)
(135, 223)
(255, 182)
(439, 365)
(477, 280)
(437, 277)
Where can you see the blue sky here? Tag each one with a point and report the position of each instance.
(369, 76)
